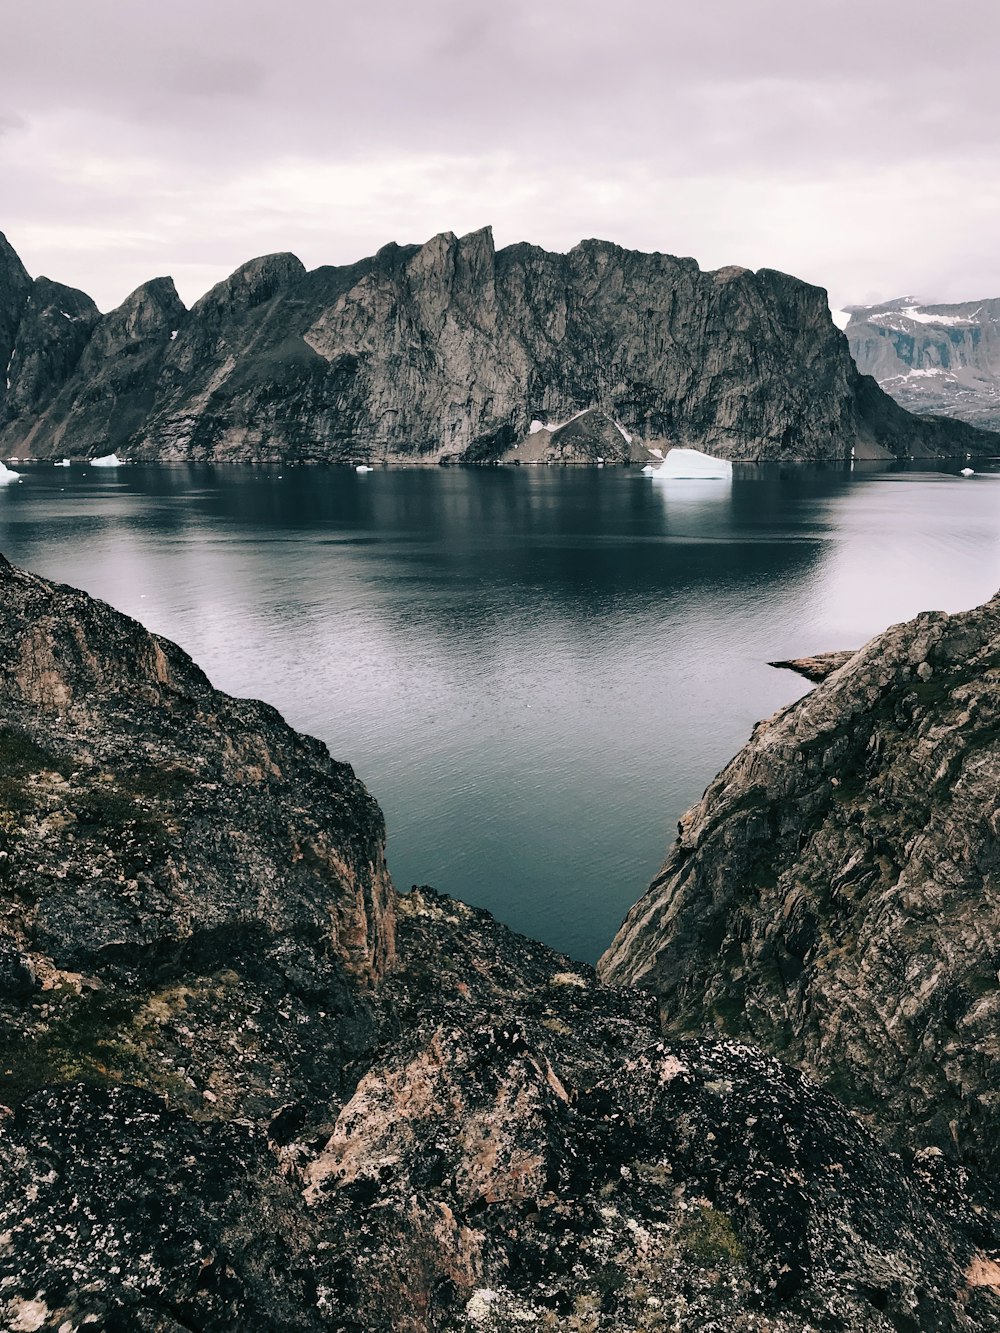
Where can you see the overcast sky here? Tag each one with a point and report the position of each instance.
(855, 144)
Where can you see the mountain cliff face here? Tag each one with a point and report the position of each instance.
(941, 359)
(451, 350)
(834, 896)
(243, 1084)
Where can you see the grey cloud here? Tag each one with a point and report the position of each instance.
(638, 114)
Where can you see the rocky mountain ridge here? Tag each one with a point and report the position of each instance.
(448, 351)
(245, 1084)
(834, 895)
(940, 359)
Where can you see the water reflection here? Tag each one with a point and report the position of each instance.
(535, 670)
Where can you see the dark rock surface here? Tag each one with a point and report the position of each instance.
(834, 896)
(451, 349)
(243, 1084)
(14, 288)
(941, 359)
(56, 325)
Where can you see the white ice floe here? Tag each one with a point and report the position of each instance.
(108, 460)
(649, 468)
(968, 472)
(64, 463)
(681, 464)
(363, 467)
(6, 475)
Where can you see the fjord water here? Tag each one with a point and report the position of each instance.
(535, 671)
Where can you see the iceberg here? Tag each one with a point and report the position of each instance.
(64, 463)
(691, 463)
(363, 467)
(109, 460)
(7, 475)
(968, 472)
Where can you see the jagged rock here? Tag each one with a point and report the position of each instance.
(933, 358)
(834, 898)
(233, 1104)
(56, 325)
(590, 437)
(817, 667)
(451, 349)
(97, 409)
(15, 285)
(186, 876)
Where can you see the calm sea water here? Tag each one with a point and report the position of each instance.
(534, 670)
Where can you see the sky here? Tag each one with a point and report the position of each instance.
(853, 144)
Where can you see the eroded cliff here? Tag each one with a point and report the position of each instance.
(243, 1084)
(933, 358)
(450, 350)
(834, 896)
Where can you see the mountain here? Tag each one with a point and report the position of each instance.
(941, 359)
(451, 351)
(245, 1084)
(834, 897)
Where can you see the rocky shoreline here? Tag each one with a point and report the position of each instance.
(245, 1083)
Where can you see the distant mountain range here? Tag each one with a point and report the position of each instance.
(448, 351)
(933, 358)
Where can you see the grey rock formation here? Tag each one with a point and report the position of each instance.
(834, 896)
(244, 1085)
(942, 359)
(450, 350)
(817, 667)
(589, 437)
(55, 326)
(14, 288)
(99, 407)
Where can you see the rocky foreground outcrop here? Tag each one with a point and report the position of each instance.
(243, 1084)
(448, 351)
(835, 895)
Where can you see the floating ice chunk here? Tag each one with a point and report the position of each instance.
(64, 463)
(692, 463)
(649, 469)
(108, 460)
(7, 475)
(363, 467)
(968, 472)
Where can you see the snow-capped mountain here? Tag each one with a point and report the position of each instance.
(932, 358)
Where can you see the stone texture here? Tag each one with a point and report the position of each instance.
(834, 896)
(450, 350)
(56, 325)
(243, 1084)
(817, 667)
(100, 406)
(14, 288)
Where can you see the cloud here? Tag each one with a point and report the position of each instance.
(842, 140)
